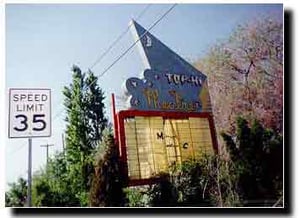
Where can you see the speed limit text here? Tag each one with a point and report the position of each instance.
(23, 100)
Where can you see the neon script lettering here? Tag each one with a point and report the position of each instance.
(152, 98)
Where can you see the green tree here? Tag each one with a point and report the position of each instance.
(85, 123)
(42, 195)
(108, 181)
(257, 156)
(85, 112)
(51, 185)
(17, 194)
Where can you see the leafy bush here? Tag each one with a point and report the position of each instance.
(257, 156)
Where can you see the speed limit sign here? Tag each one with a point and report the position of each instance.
(29, 113)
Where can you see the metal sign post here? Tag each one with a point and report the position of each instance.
(29, 171)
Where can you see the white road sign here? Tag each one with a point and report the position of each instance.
(29, 113)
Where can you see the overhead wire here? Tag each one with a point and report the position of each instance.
(115, 42)
(131, 46)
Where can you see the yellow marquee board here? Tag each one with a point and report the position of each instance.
(153, 143)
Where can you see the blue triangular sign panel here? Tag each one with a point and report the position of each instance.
(170, 83)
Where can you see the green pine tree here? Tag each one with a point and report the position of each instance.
(85, 123)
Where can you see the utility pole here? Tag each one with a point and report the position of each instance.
(47, 146)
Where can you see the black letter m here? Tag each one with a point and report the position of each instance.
(160, 135)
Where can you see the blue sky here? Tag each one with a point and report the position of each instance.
(44, 41)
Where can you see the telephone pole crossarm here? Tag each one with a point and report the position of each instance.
(47, 146)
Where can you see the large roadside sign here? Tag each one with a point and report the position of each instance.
(29, 113)
(169, 119)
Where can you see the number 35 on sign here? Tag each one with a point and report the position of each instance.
(29, 113)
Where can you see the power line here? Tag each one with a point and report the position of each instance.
(143, 11)
(130, 47)
(118, 38)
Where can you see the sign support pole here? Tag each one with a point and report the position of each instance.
(29, 171)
